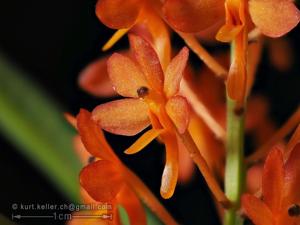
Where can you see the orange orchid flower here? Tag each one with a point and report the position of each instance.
(273, 18)
(136, 16)
(151, 99)
(235, 30)
(144, 18)
(280, 190)
(105, 179)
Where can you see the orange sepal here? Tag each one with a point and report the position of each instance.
(256, 210)
(273, 180)
(124, 117)
(253, 178)
(174, 72)
(92, 136)
(148, 60)
(133, 206)
(125, 75)
(274, 18)
(160, 36)
(178, 110)
(193, 15)
(94, 79)
(292, 177)
(170, 173)
(118, 14)
(102, 180)
(81, 152)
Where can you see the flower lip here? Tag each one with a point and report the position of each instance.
(142, 92)
(294, 210)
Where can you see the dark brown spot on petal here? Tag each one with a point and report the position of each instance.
(91, 159)
(142, 92)
(294, 210)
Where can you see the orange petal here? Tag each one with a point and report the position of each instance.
(102, 180)
(170, 173)
(256, 210)
(125, 75)
(292, 176)
(94, 79)
(148, 61)
(92, 136)
(124, 117)
(273, 180)
(193, 15)
(178, 110)
(143, 141)
(133, 206)
(118, 14)
(274, 18)
(174, 72)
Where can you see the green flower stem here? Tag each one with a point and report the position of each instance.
(234, 171)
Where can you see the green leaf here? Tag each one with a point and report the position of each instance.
(5, 221)
(35, 125)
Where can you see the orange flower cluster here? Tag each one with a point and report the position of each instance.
(186, 116)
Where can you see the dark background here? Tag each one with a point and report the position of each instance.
(53, 41)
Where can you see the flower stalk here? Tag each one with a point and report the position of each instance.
(234, 171)
(204, 169)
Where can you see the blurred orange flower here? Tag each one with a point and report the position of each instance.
(152, 99)
(103, 179)
(280, 190)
